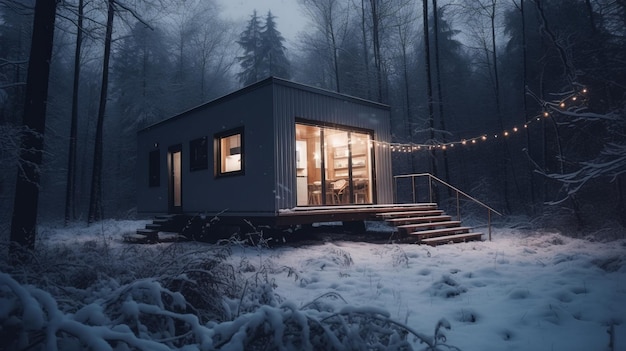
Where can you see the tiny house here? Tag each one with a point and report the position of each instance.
(270, 147)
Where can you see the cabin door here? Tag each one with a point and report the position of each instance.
(175, 179)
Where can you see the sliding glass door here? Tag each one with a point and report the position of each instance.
(333, 165)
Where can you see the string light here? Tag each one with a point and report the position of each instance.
(554, 106)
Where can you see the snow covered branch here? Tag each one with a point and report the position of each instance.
(610, 163)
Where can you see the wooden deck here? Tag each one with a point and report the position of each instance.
(347, 213)
(422, 223)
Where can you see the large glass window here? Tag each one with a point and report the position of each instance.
(229, 152)
(334, 165)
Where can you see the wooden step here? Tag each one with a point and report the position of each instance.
(161, 220)
(415, 220)
(400, 214)
(456, 238)
(135, 238)
(166, 237)
(418, 226)
(150, 234)
(423, 234)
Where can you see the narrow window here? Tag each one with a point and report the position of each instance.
(229, 152)
(198, 155)
(154, 168)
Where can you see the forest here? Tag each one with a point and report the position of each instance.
(520, 103)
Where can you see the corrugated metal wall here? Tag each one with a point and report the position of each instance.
(293, 101)
(269, 183)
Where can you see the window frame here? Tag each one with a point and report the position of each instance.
(218, 137)
(198, 154)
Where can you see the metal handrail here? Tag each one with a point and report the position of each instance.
(430, 190)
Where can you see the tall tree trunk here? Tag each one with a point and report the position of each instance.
(71, 160)
(442, 120)
(333, 42)
(24, 218)
(365, 52)
(429, 89)
(505, 154)
(531, 173)
(407, 97)
(95, 203)
(376, 46)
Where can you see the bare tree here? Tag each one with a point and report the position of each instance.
(24, 220)
(429, 85)
(71, 159)
(440, 98)
(95, 202)
(331, 19)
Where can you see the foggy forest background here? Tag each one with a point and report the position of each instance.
(548, 78)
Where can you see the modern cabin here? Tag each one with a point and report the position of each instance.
(270, 147)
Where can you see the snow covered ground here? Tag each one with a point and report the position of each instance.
(522, 291)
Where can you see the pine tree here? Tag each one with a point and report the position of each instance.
(274, 61)
(250, 42)
(263, 51)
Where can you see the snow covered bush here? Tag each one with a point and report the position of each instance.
(95, 295)
(322, 325)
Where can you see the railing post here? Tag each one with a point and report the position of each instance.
(458, 207)
(489, 222)
(413, 185)
(430, 189)
(395, 190)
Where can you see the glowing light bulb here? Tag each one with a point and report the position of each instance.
(562, 105)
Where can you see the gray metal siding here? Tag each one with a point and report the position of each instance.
(252, 192)
(267, 111)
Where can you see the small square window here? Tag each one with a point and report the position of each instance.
(154, 168)
(229, 152)
(198, 154)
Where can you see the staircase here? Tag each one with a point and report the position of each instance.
(164, 228)
(428, 225)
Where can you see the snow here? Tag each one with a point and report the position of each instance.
(525, 290)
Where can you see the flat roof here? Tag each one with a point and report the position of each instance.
(265, 82)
